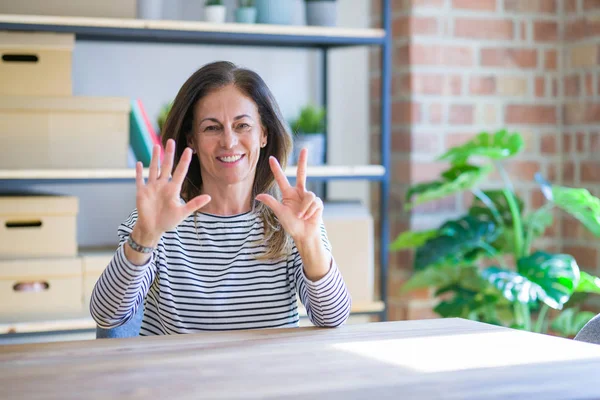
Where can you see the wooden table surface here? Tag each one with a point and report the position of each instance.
(429, 359)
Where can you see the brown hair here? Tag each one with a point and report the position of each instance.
(179, 125)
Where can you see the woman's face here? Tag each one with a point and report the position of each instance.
(227, 136)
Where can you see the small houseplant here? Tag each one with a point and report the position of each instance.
(214, 11)
(246, 12)
(309, 132)
(483, 266)
(321, 12)
(162, 115)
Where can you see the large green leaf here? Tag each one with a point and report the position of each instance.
(456, 242)
(537, 222)
(514, 286)
(410, 239)
(588, 283)
(498, 146)
(570, 321)
(481, 211)
(581, 204)
(466, 303)
(556, 274)
(457, 179)
(442, 276)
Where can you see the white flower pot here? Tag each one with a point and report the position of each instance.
(321, 13)
(315, 143)
(214, 14)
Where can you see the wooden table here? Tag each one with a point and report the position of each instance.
(433, 359)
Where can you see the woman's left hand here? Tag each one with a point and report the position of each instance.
(299, 211)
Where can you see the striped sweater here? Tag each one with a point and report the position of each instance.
(204, 276)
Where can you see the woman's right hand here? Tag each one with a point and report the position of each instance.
(158, 200)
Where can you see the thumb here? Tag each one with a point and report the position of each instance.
(270, 202)
(196, 203)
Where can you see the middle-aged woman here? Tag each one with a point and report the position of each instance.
(219, 239)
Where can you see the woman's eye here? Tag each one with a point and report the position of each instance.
(243, 126)
(211, 128)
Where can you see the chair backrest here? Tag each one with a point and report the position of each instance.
(590, 332)
(129, 329)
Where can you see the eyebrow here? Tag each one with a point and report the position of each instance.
(218, 122)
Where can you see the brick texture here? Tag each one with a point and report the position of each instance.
(466, 66)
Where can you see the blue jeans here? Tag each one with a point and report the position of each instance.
(129, 329)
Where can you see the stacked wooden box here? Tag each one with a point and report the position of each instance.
(43, 126)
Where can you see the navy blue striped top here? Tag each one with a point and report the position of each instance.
(204, 276)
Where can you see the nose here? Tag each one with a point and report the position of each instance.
(228, 138)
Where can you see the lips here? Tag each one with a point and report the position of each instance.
(230, 159)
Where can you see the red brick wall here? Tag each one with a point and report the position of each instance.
(464, 66)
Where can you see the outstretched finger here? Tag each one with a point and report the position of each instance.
(196, 203)
(182, 167)
(165, 170)
(280, 177)
(153, 168)
(270, 202)
(301, 172)
(139, 178)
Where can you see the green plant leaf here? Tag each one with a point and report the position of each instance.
(514, 286)
(479, 210)
(466, 303)
(538, 221)
(457, 242)
(495, 146)
(556, 274)
(410, 239)
(443, 275)
(311, 120)
(456, 179)
(588, 283)
(570, 321)
(579, 203)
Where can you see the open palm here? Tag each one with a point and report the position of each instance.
(158, 201)
(300, 211)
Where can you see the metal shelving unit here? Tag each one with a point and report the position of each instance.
(322, 39)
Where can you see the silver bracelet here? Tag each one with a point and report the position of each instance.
(137, 247)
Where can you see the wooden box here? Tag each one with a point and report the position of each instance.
(93, 263)
(40, 289)
(38, 226)
(350, 231)
(64, 132)
(71, 8)
(36, 64)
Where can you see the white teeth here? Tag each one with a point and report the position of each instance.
(230, 159)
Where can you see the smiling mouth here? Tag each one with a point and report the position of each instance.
(230, 159)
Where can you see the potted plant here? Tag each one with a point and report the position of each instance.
(308, 131)
(246, 12)
(149, 9)
(321, 12)
(483, 265)
(277, 12)
(214, 11)
(162, 115)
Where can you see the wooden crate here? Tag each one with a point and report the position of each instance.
(71, 8)
(40, 289)
(93, 264)
(64, 132)
(36, 64)
(38, 226)
(350, 231)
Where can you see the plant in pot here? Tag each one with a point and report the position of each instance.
(162, 115)
(308, 131)
(321, 12)
(214, 11)
(246, 12)
(278, 12)
(483, 265)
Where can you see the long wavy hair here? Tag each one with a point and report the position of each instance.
(179, 126)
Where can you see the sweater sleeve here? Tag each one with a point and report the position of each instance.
(327, 301)
(122, 287)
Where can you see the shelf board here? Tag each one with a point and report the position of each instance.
(358, 172)
(87, 323)
(138, 30)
